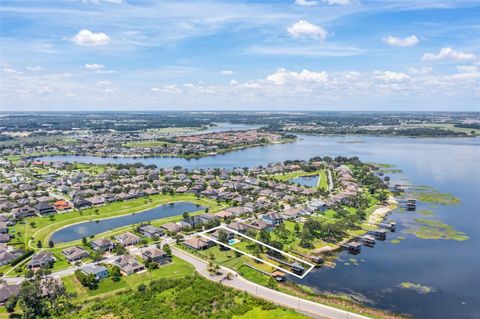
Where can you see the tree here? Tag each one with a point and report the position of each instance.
(11, 303)
(97, 255)
(223, 238)
(32, 224)
(84, 241)
(120, 250)
(51, 243)
(306, 238)
(166, 248)
(39, 244)
(296, 228)
(185, 215)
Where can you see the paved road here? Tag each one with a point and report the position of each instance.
(307, 307)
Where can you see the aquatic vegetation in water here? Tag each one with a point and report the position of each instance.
(421, 289)
(434, 229)
(426, 212)
(397, 240)
(391, 170)
(430, 195)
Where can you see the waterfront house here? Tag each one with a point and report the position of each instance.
(171, 227)
(128, 264)
(127, 239)
(150, 231)
(62, 205)
(98, 271)
(155, 254)
(81, 203)
(75, 253)
(45, 209)
(378, 233)
(41, 259)
(198, 243)
(102, 244)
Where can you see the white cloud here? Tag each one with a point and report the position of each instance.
(389, 76)
(401, 42)
(226, 72)
(449, 54)
(169, 88)
(34, 68)
(88, 38)
(352, 75)
(233, 82)
(339, 2)
(306, 3)
(305, 29)
(94, 66)
(283, 76)
(468, 68)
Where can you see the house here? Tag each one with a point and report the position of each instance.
(155, 254)
(6, 257)
(318, 205)
(3, 228)
(61, 205)
(171, 227)
(272, 218)
(291, 213)
(181, 189)
(216, 234)
(150, 231)
(198, 243)
(80, 203)
(41, 259)
(259, 224)
(45, 209)
(238, 226)
(224, 214)
(75, 253)
(4, 238)
(128, 264)
(102, 244)
(95, 200)
(127, 239)
(6, 291)
(99, 272)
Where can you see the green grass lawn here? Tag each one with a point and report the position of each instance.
(259, 313)
(177, 269)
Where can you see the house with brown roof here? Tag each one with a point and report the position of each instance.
(127, 239)
(75, 253)
(238, 226)
(102, 244)
(128, 264)
(198, 243)
(171, 227)
(155, 254)
(41, 259)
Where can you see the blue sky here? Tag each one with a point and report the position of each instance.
(240, 55)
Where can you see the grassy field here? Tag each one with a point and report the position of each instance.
(177, 269)
(323, 182)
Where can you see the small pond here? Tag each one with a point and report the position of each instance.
(309, 181)
(94, 227)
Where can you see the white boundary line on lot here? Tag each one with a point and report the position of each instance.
(203, 234)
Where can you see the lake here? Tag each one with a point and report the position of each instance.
(309, 181)
(450, 268)
(87, 229)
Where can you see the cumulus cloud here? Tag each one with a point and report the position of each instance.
(305, 29)
(94, 66)
(468, 68)
(226, 72)
(401, 42)
(88, 38)
(306, 3)
(449, 54)
(389, 76)
(169, 88)
(283, 76)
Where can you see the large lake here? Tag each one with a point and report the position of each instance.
(450, 268)
(94, 227)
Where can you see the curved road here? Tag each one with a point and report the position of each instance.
(304, 306)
